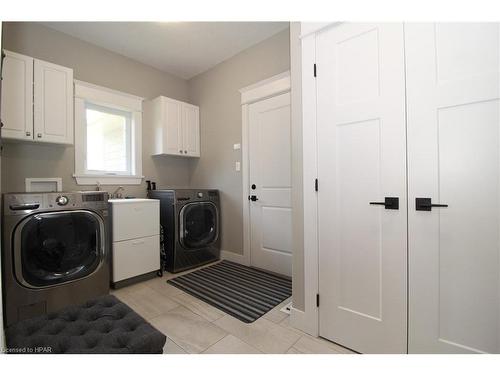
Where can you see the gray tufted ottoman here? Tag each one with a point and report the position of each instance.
(103, 325)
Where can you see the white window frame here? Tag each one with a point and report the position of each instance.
(93, 95)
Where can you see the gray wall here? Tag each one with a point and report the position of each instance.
(216, 92)
(101, 67)
(297, 183)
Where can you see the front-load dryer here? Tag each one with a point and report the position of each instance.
(190, 229)
(55, 251)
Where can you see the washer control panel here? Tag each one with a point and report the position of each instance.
(23, 203)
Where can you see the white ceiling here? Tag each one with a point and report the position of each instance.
(184, 49)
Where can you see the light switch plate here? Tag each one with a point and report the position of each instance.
(237, 166)
(237, 146)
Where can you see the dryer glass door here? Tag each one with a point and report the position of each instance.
(56, 247)
(198, 225)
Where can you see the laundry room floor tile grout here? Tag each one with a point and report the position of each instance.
(220, 332)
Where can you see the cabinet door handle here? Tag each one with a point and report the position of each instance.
(180, 151)
(28, 134)
(39, 135)
(185, 151)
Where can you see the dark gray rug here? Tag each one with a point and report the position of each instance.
(240, 291)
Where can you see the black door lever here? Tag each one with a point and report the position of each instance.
(425, 204)
(389, 203)
(253, 198)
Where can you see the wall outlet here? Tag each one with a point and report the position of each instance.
(237, 166)
(236, 146)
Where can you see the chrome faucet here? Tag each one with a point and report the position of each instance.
(116, 193)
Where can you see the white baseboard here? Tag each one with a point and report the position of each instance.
(300, 320)
(233, 257)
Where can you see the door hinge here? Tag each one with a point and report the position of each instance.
(317, 300)
(314, 67)
(316, 184)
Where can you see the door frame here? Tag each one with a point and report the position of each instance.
(267, 88)
(307, 320)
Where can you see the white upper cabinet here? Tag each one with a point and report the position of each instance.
(17, 98)
(53, 103)
(176, 127)
(37, 100)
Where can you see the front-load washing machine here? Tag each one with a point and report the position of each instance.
(189, 220)
(55, 251)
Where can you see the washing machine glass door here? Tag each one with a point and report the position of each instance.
(57, 247)
(198, 225)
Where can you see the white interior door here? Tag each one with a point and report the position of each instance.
(453, 149)
(270, 182)
(362, 159)
(53, 103)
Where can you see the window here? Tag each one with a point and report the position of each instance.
(108, 140)
(107, 136)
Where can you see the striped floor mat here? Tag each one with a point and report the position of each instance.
(240, 291)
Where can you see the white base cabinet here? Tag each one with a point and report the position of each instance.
(37, 100)
(176, 127)
(136, 237)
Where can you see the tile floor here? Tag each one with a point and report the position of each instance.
(193, 326)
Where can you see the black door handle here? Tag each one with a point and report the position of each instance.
(425, 204)
(253, 198)
(389, 203)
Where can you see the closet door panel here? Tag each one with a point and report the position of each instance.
(362, 159)
(454, 159)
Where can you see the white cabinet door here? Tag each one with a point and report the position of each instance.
(135, 219)
(362, 159)
(53, 103)
(270, 171)
(17, 96)
(191, 130)
(453, 146)
(172, 127)
(135, 257)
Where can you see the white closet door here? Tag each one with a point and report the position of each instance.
(362, 159)
(453, 148)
